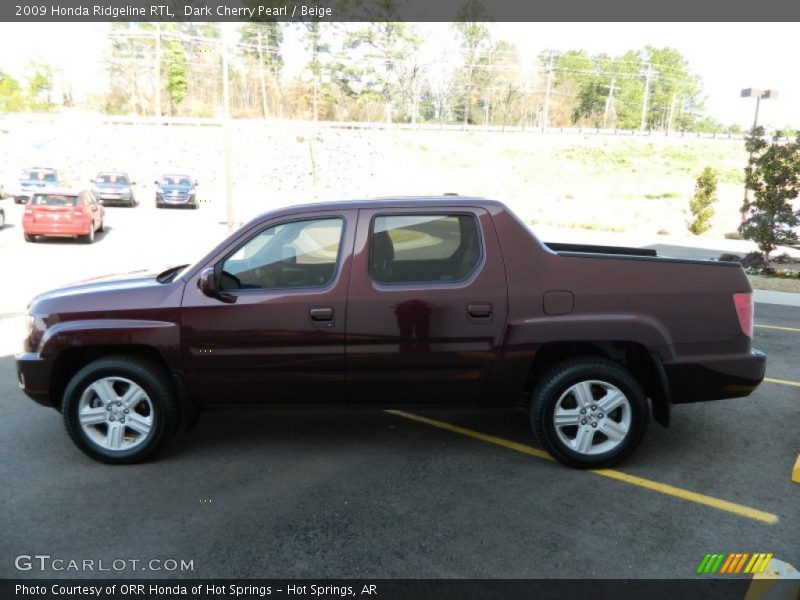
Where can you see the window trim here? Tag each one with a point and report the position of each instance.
(475, 269)
(338, 264)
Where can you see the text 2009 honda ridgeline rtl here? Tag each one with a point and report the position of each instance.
(412, 302)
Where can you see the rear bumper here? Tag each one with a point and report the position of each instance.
(715, 377)
(65, 229)
(33, 375)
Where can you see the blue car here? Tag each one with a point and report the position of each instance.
(176, 190)
(38, 179)
(114, 187)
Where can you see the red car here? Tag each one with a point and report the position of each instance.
(63, 214)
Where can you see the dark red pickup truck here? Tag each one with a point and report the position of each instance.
(382, 303)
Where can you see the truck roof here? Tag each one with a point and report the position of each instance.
(449, 200)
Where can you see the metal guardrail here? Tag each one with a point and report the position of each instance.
(51, 118)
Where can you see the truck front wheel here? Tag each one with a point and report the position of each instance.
(589, 412)
(120, 409)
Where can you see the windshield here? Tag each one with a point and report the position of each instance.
(49, 176)
(54, 200)
(111, 179)
(168, 180)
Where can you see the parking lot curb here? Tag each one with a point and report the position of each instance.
(779, 581)
(796, 471)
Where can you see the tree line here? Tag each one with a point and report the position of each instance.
(377, 72)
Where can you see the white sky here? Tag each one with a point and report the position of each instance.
(728, 56)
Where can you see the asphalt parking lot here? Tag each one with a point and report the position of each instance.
(365, 493)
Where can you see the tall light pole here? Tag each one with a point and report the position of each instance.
(758, 95)
(226, 130)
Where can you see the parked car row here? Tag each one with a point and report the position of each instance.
(55, 208)
(110, 187)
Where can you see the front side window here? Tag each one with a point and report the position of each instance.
(425, 248)
(289, 255)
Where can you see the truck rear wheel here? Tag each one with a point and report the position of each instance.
(120, 409)
(589, 412)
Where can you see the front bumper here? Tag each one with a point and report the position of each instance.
(33, 375)
(176, 200)
(697, 379)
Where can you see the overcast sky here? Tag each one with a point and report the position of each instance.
(727, 56)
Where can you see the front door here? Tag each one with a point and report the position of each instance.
(275, 332)
(427, 306)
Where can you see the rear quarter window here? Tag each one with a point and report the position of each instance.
(424, 248)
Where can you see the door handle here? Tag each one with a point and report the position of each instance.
(479, 311)
(321, 315)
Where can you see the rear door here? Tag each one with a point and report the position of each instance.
(276, 334)
(427, 306)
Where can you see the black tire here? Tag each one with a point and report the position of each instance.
(149, 376)
(89, 237)
(558, 381)
(30, 238)
(102, 227)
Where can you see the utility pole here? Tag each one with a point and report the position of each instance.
(261, 74)
(546, 112)
(647, 76)
(226, 134)
(758, 94)
(609, 100)
(671, 114)
(158, 70)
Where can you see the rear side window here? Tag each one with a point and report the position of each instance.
(54, 200)
(289, 255)
(424, 248)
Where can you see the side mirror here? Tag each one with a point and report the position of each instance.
(91, 181)
(156, 182)
(196, 183)
(133, 183)
(206, 282)
(208, 285)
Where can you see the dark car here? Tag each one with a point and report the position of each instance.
(176, 190)
(114, 187)
(38, 179)
(437, 301)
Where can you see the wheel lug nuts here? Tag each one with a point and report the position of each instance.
(108, 407)
(119, 403)
(600, 415)
(583, 421)
(594, 424)
(583, 411)
(127, 411)
(111, 418)
(594, 407)
(122, 419)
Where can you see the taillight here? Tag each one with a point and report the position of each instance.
(744, 310)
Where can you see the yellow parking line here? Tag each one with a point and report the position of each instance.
(796, 471)
(778, 327)
(782, 381)
(663, 488)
